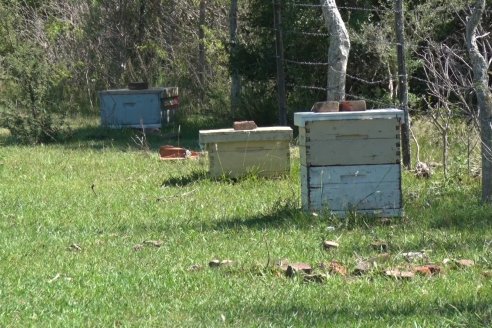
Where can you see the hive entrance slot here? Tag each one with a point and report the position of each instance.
(352, 137)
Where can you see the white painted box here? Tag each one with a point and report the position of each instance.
(264, 151)
(369, 189)
(350, 161)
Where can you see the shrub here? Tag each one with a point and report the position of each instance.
(28, 129)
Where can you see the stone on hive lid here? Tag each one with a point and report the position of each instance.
(244, 125)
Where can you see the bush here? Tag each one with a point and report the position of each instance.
(29, 129)
(32, 95)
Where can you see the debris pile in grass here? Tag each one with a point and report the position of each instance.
(401, 266)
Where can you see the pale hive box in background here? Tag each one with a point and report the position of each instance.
(351, 161)
(264, 151)
(147, 108)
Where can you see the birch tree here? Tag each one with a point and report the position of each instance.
(484, 97)
(338, 51)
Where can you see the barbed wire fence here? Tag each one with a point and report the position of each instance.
(384, 82)
(308, 64)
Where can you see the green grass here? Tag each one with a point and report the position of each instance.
(98, 190)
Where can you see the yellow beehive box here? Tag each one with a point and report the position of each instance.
(264, 151)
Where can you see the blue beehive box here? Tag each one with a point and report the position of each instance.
(147, 108)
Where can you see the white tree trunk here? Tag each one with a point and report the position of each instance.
(338, 51)
(484, 97)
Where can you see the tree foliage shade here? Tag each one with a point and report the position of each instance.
(81, 47)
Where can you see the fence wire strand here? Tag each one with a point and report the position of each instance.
(387, 80)
(445, 9)
(390, 79)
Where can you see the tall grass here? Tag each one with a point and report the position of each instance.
(75, 218)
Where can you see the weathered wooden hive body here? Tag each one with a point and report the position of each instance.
(264, 151)
(350, 161)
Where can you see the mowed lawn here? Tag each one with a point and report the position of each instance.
(98, 232)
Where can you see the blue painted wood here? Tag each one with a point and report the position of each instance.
(132, 108)
(353, 187)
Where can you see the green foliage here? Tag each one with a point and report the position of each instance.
(255, 59)
(258, 103)
(372, 68)
(79, 48)
(34, 90)
(30, 75)
(96, 45)
(28, 129)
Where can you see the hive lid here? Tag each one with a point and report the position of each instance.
(258, 134)
(301, 118)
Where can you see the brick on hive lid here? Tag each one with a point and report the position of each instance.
(244, 125)
(325, 107)
(353, 105)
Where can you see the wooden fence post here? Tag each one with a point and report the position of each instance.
(402, 82)
(282, 102)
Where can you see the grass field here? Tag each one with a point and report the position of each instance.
(96, 231)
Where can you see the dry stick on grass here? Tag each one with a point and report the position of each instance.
(421, 168)
(416, 145)
(141, 142)
(268, 254)
(439, 72)
(177, 195)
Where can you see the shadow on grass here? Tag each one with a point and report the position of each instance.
(280, 217)
(196, 176)
(185, 180)
(96, 137)
(126, 139)
(458, 210)
(467, 312)
(447, 204)
(475, 217)
(183, 133)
